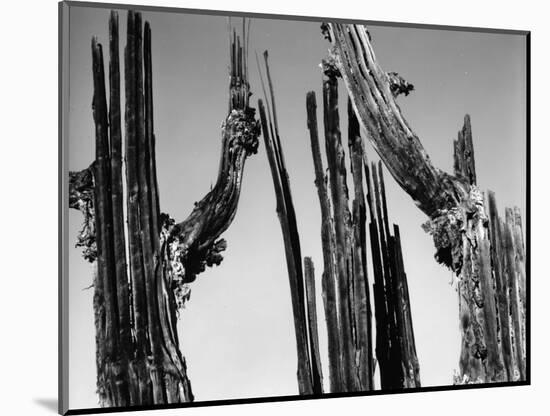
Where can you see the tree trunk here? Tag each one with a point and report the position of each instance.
(341, 219)
(395, 343)
(455, 206)
(362, 306)
(309, 382)
(329, 261)
(346, 286)
(316, 370)
(137, 347)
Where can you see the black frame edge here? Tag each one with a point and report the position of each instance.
(211, 12)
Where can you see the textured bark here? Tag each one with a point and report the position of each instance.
(109, 360)
(119, 240)
(493, 365)
(362, 309)
(328, 244)
(138, 356)
(142, 391)
(342, 225)
(453, 203)
(508, 260)
(395, 343)
(396, 350)
(150, 137)
(289, 228)
(389, 374)
(464, 161)
(396, 377)
(345, 257)
(411, 368)
(479, 322)
(193, 244)
(520, 277)
(316, 370)
(498, 253)
(377, 111)
(515, 302)
(144, 207)
(292, 258)
(345, 281)
(380, 306)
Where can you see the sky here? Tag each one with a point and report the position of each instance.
(237, 329)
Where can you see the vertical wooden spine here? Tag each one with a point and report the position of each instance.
(341, 217)
(383, 291)
(380, 304)
(168, 359)
(150, 138)
(328, 244)
(498, 253)
(390, 285)
(316, 370)
(145, 224)
(494, 366)
(520, 268)
(362, 309)
(514, 294)
(411, 367)
(119, 241)
(137, 274)
(464, 161)
(481, 279)
(102, 307)
(473, 347)
(395, 343)
(292, 240)
(103, 201)
(292, 254)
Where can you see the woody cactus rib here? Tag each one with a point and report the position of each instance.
(328, 243)
(342, 223)
(395, 343)
(361, 293)
(309, 381)
(137, 347)
(344, 282)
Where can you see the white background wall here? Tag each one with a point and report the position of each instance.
(28, 213)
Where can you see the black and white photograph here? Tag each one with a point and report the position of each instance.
(272, 208)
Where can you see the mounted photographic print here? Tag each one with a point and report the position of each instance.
(262, 207)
